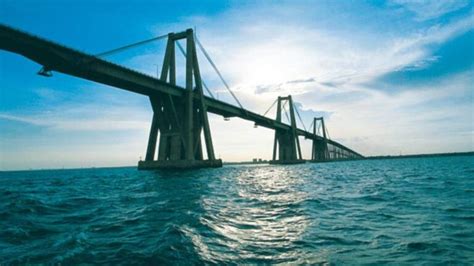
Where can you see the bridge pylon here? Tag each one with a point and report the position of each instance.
(179, 121)
(320, 151)
(286, 145)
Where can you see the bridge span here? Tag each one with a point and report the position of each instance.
(179, 114)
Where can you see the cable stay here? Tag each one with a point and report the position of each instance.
(268, 110)
(217, 71)
(319, 129)
(119, 49)
(203, 83)
(310, 125)
(286, 112)
(325, 130)
(271, 106)
(301, 120)
(203, 50)
(327, 133)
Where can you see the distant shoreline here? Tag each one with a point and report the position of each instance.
(468, 153)
(378, 157)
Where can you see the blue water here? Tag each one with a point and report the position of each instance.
(401, 211)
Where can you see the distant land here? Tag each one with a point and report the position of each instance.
(468, 153)
(377, 157)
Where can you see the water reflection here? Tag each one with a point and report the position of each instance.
(258, 218)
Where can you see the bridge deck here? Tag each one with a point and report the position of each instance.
(54, 56)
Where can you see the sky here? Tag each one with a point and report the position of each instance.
(389, 77)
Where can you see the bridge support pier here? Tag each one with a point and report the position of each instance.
(320, 151)
(179, 122)
(286, 146)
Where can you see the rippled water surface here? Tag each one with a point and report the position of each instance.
(403, 211)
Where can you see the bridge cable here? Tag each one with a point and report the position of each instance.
(327, 133)
(203, 83)
(217, 71)
(301, 120)
(271, 106)
(286, 112)
(320, 129)
(119, 49)
(311, 124)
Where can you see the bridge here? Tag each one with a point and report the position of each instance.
(179, 114)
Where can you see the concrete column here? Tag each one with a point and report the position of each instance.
(188, 135)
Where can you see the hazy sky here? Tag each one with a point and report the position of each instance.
(389, 77)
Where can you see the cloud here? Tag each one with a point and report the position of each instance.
(427, 9)
(79, 110)
(329, 67)
(297, 81)
(261, 54)
(64, 122)
(27, 120)
(49, 95)
(434, 112)
(288, 87)
(447, 60)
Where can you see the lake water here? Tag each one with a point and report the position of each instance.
(400, 211)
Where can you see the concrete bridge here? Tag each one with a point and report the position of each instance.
(179, 114)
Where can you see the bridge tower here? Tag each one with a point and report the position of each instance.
(179, 121)
(320, 151)
(286, 146)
